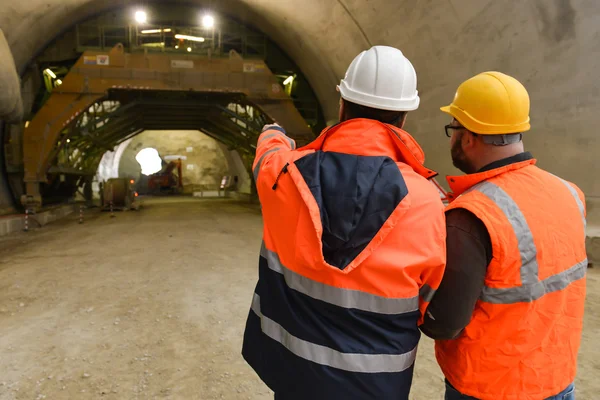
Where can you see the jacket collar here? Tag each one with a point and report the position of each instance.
(460, 184)
(507, 161)
(367, 137)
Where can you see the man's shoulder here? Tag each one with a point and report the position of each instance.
(420, 187)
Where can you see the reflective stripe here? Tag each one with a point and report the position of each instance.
(529, 293)
(259, 163)
(426, 292)
(531, 287)
(365, 363)
(346, 298)
(577, 200)
(529, 265)
(281, 132)
(263, 138)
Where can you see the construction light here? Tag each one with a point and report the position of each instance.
(288, 80)
(26, 124)
(176, 46)
(146, 31)
(141, 17)
(155, 44)
(191, 38)
(58, 82)
(49, 72)
(189, 49)
(68, 140)
(208, 21)
(132, 181)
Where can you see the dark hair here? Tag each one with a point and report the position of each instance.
(353, 110)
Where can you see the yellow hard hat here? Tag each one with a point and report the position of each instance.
(491, 103)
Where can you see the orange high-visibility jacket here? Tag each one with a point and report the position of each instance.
(523, 339)
(354, 247)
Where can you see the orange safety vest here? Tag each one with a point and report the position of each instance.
(336, 314)
(523, 338)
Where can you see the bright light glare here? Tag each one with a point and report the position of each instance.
(141, 16)
(177, 46)
(26, 124)
(149, 160)
(68, 140)
(145, 31)
(208, 21)
(49, 72)
(191, 38)
(288, 80)
(189, 49)
(58, 82)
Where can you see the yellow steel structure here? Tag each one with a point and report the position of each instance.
(95, 73)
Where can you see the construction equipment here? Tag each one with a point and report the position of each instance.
(227, 99)
(166, 181)
(119, 194)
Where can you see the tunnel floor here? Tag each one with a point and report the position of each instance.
(152, 304)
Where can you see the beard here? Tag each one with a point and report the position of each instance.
(459, 158)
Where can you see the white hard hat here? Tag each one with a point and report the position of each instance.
(381, 78)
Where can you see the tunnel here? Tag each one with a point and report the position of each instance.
(88, 84)
(462, 37)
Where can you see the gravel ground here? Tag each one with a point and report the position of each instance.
(152, 305)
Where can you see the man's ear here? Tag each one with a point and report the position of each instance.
(469, 140)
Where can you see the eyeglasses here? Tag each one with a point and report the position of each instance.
(449, 129)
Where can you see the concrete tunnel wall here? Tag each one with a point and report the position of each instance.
(550, 45)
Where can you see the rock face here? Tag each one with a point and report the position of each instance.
(204, 163)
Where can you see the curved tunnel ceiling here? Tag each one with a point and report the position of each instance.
(549, 45)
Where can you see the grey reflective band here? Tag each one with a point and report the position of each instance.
(529, 293)
(531, 287)
(426, 292)
(352, 362)
(577, 200)
(260, 161)
(263, 138)
(529, 265)
(346, 298)
(280, 133)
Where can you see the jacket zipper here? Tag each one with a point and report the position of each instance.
(284, 170)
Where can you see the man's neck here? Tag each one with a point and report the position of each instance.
(517, 158)
(498, 153)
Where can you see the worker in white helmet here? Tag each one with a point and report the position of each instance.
(353, 245)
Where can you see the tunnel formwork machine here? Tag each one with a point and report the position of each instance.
(109, 97)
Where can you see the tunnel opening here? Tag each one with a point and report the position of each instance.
(170, 72)
(157, 159)
(150, 161)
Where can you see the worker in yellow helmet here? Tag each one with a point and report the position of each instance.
(508, 314)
